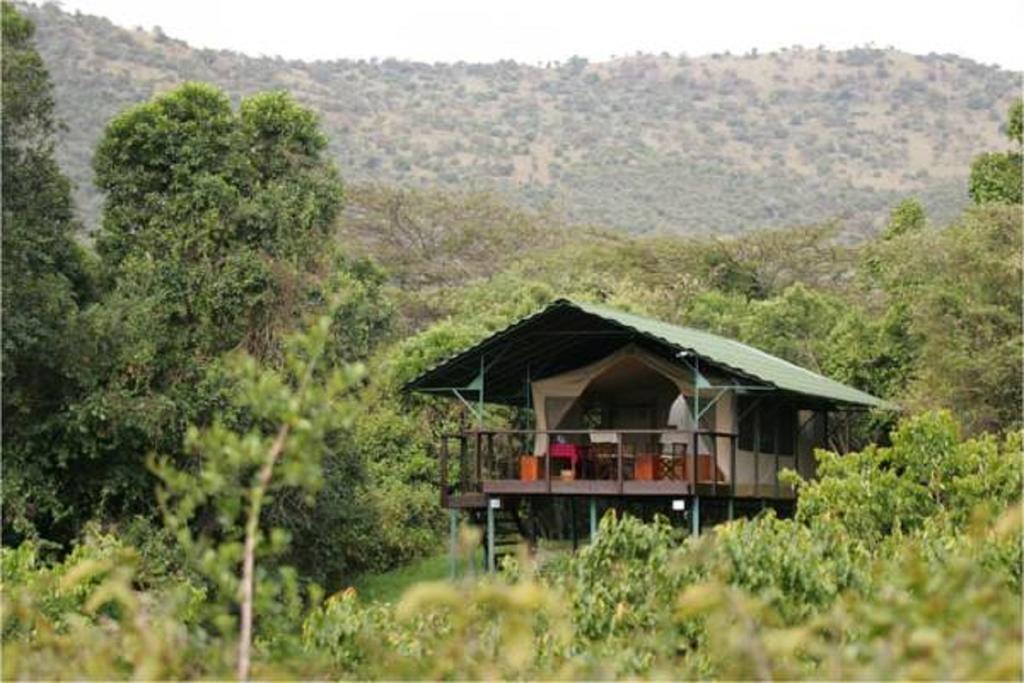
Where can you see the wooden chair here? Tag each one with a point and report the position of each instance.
(674, 458)
(604, 454)
(604, 460)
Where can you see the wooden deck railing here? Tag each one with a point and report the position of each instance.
(488, 462)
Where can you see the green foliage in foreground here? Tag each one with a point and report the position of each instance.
(292, 419)
(925, 586)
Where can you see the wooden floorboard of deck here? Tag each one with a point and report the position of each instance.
(630, 487)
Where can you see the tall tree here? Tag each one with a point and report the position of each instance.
(957, 292)
(44, 274)
(215, 237)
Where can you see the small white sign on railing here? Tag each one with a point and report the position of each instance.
(679, 504)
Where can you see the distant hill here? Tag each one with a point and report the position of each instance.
(718, 144)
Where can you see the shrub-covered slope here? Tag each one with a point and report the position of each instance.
(722, 143)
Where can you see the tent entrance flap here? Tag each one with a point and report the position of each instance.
(631, 388)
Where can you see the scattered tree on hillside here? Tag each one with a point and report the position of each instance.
(907, 216)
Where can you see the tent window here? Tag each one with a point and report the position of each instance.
(786, 426)
(777, 427)
(767, 428)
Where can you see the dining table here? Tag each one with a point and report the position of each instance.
(567, 451)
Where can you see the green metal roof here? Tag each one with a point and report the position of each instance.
(568, 334)
(751, 361)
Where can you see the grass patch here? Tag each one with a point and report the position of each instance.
(389, 586)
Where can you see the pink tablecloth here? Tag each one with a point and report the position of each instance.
(568, 451)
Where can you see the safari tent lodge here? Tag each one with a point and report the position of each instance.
(621, 410)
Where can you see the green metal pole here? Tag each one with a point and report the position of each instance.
(453, 541)
(490, 534)
(529, 389)
(480, 399)
(593, 518)
(696, 395)
(695, 517)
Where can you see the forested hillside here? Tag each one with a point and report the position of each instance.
(721, 144)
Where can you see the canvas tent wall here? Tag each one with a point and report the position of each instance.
(628, 376)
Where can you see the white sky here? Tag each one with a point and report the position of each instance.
(989, 31)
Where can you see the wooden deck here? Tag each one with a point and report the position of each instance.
(588, 488)
(632, 489)
(487, 471)
(640, 489)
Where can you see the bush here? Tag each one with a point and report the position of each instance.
(795, 569)
(928, 471)
(85, 616)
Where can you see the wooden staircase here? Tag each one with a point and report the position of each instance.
(510, 532)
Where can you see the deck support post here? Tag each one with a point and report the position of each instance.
(490, 534)
(695, 517)
(453, 542)
(732, 511)
(593, 518)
